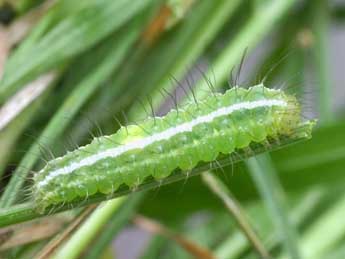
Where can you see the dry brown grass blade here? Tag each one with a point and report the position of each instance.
(155, 227)
(30, 232)
(4, 49)
(5, 235)
(235, 209)
(157, 25)
(20, 27)
(17, 103)
(50, 248)
(9, 36)
(165, 19)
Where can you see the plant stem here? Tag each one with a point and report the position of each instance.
(236, 211)
(49, 249)
(321, 236)
(28, 211)
(79, 241)
(236, 244)
(115, 223)
(264, 176)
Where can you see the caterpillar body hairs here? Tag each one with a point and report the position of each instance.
(199, 131)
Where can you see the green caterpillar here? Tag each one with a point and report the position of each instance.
(200, 131)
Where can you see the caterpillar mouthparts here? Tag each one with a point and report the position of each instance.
(199, 131)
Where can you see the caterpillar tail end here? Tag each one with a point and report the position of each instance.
(305, 129)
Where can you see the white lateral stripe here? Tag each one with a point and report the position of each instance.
(164, 135)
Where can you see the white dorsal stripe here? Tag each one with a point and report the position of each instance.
(164, 135)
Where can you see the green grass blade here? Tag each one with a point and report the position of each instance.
(321, 24)
(82, 92)
(79, 241)
(68, 38)
(114, 225)
(28, 211)
(259, 24)
(177, 53)
(328, 229)
(264, 176)
(233, 206)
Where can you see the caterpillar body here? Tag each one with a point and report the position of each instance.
(200, 131)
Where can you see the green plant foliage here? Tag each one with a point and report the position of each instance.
(118, 62)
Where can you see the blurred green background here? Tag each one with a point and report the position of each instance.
(67, 68)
